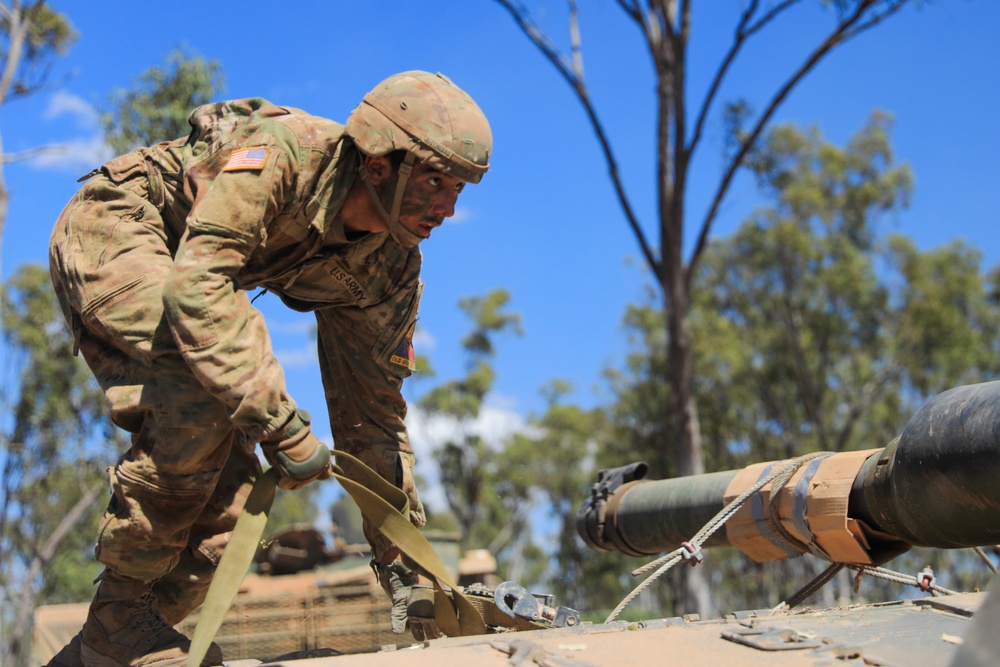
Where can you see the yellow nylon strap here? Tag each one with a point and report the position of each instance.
(384, 505)
(387, 508)
(234, 565)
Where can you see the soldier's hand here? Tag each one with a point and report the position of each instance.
(298, 455)
(412, 607)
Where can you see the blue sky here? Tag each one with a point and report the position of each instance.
(544, 223)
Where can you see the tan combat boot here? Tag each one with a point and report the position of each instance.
(124, 629)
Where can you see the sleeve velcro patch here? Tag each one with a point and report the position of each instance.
(247, 159)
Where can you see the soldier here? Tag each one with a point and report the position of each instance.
(152, 261)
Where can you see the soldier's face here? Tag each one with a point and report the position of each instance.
(428, 199)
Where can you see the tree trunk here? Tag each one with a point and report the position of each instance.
(684, 427)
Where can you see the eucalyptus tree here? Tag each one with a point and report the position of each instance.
(666, 29)
(56, 438)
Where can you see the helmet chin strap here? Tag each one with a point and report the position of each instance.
(397, 231)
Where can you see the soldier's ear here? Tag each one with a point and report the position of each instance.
(379, 168)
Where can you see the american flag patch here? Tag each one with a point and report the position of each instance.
(247, 158)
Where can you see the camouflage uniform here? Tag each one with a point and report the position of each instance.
(152, 261)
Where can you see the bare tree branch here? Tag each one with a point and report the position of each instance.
(21, 156)
(43, 558)
(863, 402)
(662, 10)
(18, 31)
(574, 40)
(565, 68)
(651, 28)
(631, 7)
(845, 30)
(744, 31)
(769, 15)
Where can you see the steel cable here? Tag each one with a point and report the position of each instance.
(691, 550)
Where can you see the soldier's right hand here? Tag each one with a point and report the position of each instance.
(412, 606)
(298, 455)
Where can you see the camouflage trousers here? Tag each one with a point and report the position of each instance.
(177, 491)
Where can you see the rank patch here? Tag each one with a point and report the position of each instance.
(246, 159)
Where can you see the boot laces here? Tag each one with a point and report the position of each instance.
(147, 617)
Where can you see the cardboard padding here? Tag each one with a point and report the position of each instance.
(827, 491)
(751, 535)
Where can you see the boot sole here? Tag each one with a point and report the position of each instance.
(94, 658)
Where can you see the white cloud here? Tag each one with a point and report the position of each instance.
(80, 154)
(75, 155)
(461, 215)
(423, 340)
(300, 327)
(65, 103)
(495, 423)
(302, 357)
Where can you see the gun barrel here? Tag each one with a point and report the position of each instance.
(936, 485)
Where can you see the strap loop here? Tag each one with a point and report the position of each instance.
(388, 510)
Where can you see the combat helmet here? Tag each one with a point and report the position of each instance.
(430, 118)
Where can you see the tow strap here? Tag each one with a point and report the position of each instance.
(386, 507)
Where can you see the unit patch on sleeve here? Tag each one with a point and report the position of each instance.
(246, 159)
(403, 354)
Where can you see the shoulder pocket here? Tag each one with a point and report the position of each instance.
(124, 167)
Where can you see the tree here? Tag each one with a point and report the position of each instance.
(665, 26)
(58, 438)
(830, 333)
(30, 36)
(53, 472)
(157, 105)
(796, 296)
(556, 459)
(815, 331)
(467, 463)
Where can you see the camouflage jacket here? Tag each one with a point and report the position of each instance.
(251, 199)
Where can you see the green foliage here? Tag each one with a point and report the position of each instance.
(49, 31)
(157, 105)
(486, 313)
(641, 398)
(42, 33)
(445, 522)
(554, 460)
(466, 473)
(487, 515)
(292, 507)
(55, 442)
(948, 316)
(812, 331)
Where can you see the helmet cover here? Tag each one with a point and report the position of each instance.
(427, 115)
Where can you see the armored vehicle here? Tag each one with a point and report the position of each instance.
(936, 485)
